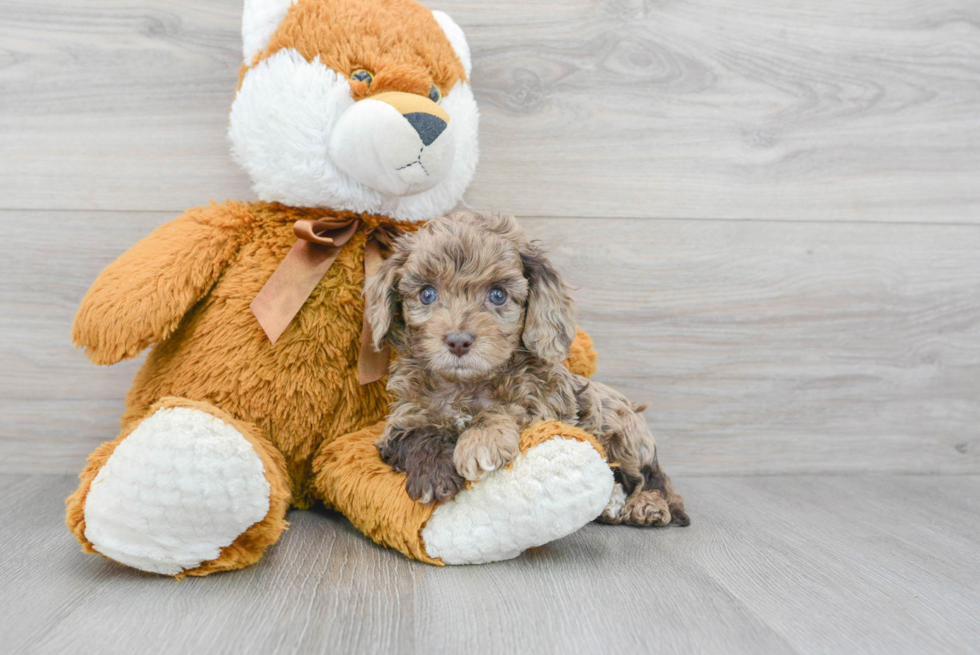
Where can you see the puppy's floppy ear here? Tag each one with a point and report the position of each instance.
(549, 324)
(382, 302)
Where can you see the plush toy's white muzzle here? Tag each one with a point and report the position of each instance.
(399, 144)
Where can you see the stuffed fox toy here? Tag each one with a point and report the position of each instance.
(355, 120)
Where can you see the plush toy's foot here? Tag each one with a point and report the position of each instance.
(559, 483)
(189, 491)
(556, 487)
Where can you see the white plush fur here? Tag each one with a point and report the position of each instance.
(554, 490)
(260, 18)
(281, 128)
(456, 37)
(374, 144)
(284, 132)
(175, 492)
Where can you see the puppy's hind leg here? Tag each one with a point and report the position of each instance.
(656, 481)
(633, 504)
(645, 499)
(652, 500)
(643, 494)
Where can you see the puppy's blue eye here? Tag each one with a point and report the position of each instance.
(428, 295)
(497, 297)
(435, 95)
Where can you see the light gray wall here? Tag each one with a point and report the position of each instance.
(771, 209)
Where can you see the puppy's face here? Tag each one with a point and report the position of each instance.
(463, 298)
(464, 292)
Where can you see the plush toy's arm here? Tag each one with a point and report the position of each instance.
(141, 297)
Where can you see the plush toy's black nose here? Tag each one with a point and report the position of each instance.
(429, 127)
(459, 343)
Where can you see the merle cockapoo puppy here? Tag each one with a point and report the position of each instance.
(481, 322)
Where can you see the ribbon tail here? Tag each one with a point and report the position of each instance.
(317, 247)
(278, 302)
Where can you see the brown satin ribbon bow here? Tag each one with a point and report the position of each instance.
(317, 246)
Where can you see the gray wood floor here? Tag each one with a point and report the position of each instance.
(772, 564)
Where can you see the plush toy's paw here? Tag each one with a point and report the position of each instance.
(560, 483)
(482, 450)
(183, 486)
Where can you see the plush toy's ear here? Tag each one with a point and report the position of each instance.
(260, 19)
(382, 302)
(549, 324)
(456, 37)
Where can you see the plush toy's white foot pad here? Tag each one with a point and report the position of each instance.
(552, 491)
(182, 486)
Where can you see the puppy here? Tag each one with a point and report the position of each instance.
(481, 323)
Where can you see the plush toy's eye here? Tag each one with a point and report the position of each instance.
(497, 296)
(435, 95)
(362, 75)
(428, 295)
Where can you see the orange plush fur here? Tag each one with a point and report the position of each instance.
(187, 287)
(397, 40)
(185, 290)
(189, 284)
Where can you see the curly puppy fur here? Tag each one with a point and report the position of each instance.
(481, 323)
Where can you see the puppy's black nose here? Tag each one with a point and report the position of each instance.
(459, 343)
(429, 127)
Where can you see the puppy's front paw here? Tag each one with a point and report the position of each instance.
(435, 484)
(391, 454)
(425, 455)
(481, 450)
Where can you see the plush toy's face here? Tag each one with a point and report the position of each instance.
(363, 105)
